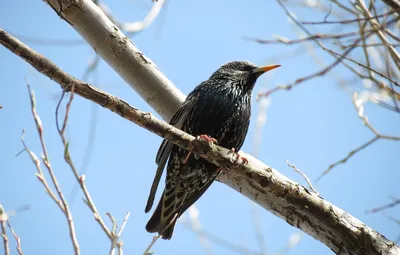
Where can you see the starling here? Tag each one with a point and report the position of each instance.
(218, 110)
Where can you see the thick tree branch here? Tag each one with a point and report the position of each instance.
(121, 54)
(286, 199)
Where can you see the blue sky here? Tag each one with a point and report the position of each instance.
(312, 126)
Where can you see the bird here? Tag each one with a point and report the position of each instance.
(217, 110)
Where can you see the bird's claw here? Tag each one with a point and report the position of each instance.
(200, 137)
(207, 138)
(239, 157)
(184, 161)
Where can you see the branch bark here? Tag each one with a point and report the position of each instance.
(394, 4)
(341, 232)
(121, 54)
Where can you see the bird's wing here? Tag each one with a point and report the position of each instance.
(165, 149)
(181, 191)
(194, 196)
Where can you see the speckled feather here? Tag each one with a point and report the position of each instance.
(220, 108)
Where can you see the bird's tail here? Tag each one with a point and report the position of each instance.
(158, 223)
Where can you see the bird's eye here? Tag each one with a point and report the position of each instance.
(245, 68)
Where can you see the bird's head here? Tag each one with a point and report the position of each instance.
(241, 73)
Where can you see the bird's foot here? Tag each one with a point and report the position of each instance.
(239, 157)
(207, 138)
(184, 161)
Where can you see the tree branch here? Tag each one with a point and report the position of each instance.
(3, 219)
(121, 54)
(394, 4)
(286, 199)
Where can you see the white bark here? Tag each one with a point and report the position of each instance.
(341, 232)
(121, 54)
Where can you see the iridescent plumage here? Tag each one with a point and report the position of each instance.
(220, 108)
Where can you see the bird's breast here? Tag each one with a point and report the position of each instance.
(223, 114)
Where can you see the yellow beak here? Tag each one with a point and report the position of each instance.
(263, 69)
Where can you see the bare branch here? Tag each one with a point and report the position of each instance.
(46, 162)
(396, 201)
(67, 157)
(349, 155)
(216, 239)
(394, 54)
(153, 241)
(359, 105)
(121, 54)
(40, 175)
(313, 37)
(317, 39)
(3, 219)
(347, 21)
(394, 4)
(304, 176)
(259, 182)
(17, 239)
(366, 67)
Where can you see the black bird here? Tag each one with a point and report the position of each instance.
(219, 108)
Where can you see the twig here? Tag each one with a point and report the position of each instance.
(119, 246)
(395, 202)
(17, 238)
(358, 104)
(391, 91)
(3, 219)
(67, 157)
(218, 240)
(395, 220)
(153, 241)
(347, 21)
(5, 238)
(313, 37)
(112, 235)
(194, 220)
(339, 57)
(123, 224)
(115, 244)
(46, 162)
(394, 54)
(394, 4)
(311, 76)
(40, 175)
(366, 45)
(304, 176)
(366, 67)
(286, 41)
(135, 27)
(349, 155)
(92, 130)
(393, 36)
(342, 6)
